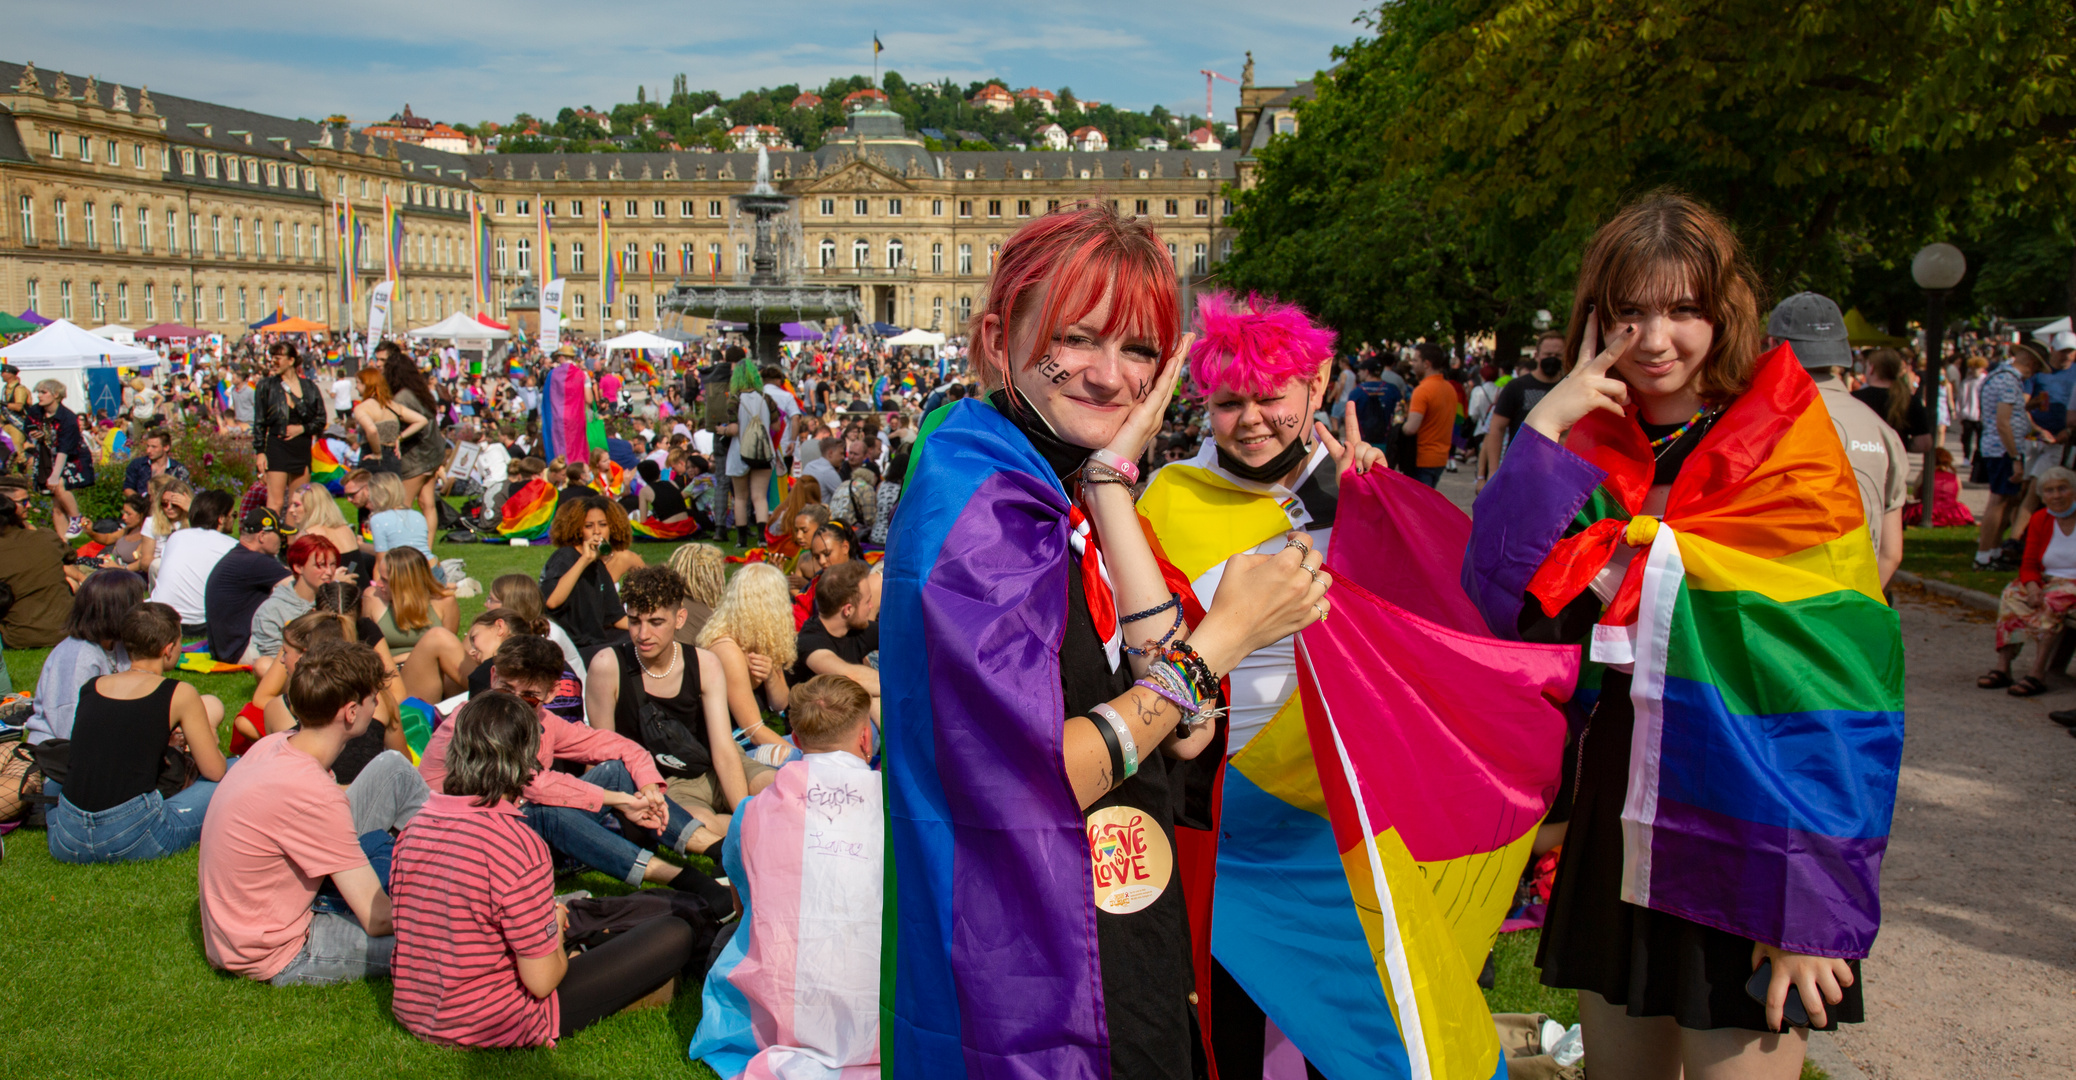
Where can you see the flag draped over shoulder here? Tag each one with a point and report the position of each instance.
(1371, 835)
(1768, 670)
(991, 964)
(528, 511)
(562, 414)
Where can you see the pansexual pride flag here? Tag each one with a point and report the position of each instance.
(1371, 835)
(325, 468)
(1768, 672)
(527, 511)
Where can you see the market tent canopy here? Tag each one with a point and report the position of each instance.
(641, 341)
(64, 345)
(916, 337)
(12, 325)
(171, 330)
(29, 315)
(2045, 334)
(800, 331)
(1861, 334)
(459, 326)
(296, 326)
(115, 332)
(883, 329)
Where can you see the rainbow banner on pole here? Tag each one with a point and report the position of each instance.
(1768, 671)
(392, 239)
(545, 256)
(608, 263)
(527, 511)
(347, 253)
(479, 253)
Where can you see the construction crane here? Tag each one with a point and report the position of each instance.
(1209, 75)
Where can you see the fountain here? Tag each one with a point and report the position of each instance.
(766, 300)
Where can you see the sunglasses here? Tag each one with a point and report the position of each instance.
(530, 697)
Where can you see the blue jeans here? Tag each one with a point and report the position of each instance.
(602, 839)
(1430, 477)
(149, 826)
(379, 847)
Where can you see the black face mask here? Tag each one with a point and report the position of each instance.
(1549, 366)
(1275, 469)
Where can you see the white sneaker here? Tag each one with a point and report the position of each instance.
(75, 527)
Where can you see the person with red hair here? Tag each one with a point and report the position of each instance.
(312, 561)
(1045, 704)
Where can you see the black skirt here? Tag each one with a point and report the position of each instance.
(291, 456)
(1653, 963)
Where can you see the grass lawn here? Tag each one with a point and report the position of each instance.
(1949, 555)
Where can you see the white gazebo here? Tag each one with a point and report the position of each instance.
(64, 351)
(459, 327)
(916, 337)
(115, 332)
(643, 341)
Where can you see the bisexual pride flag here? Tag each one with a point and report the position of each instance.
(527, 511)
(1768, 671)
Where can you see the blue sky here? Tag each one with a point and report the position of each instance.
(470, 60)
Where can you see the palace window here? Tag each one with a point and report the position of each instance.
(828, 250)
(116, 231)
(216, 235)
(114, 158)
(861, 253)
(576, 208)
(187, 163)
(500, 208)
(500, 256)
(96, 303)
(273, 175)
(965, 207)
(577, 302)
(965, 310)
(992, 249)
(238, 237)
(301, 252)
(1174, 208)
(576, 257)
(742, 258)
(965, 259)
(684, 208)
(144, 230)
(29, 221)
(659, 258)
(1225, 249)
(93, 233)
(180, 303)
(994, 208)
(828, 207)
(713, 208)
(243, 313)
(137, 155)
(209, 168)
(937, 311)
(686, 254)
(57, 145)
(634, 307)
(1023, 208)
(151, 303)
(86, 149)
(64, 217)
(894, 254)
(861, 207)
(893, 208)
(1201, 262)
(35, 298)
(1203, 208)
(548, 207)
(65, 299)
(634, 208)
(1139, 207)
(936, 207)
(122, 301)
(937, 258)
(1225, 208)
(1051, 205)
(525, 254)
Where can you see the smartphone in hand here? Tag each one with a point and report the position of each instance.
(1792, 1009)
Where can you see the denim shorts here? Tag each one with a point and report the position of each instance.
(149, 826)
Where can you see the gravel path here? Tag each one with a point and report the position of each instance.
(1974, 974)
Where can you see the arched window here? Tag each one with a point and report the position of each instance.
(894, 252)
(861, 253)
(828, 254)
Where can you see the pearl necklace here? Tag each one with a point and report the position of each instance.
(677, 655)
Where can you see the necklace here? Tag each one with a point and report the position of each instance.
(1661, 445)
(677, 654)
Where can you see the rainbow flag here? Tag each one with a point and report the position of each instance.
(1355, 900)
(608, 263)
(417, 718)
(196, 658)
(479, 254)
(1768, 671)
(683, 529)
(392, 239)
(613, 481)
(528, 511)
(325, 468)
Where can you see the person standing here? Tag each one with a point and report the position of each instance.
(64, 462)
(287, 412)
(1519, 397)
(1431, 416)
(2004, 423)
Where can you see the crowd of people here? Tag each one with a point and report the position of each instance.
(962, 574)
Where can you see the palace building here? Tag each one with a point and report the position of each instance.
(125, 206)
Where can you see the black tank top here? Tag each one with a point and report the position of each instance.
(693, 757)
(118, 745)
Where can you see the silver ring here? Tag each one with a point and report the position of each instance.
(1320, 610)
(1312, 570)
(1300, 545)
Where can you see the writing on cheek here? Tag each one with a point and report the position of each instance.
(1285, 421)
(1052, 369)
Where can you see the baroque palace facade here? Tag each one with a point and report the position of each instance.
(127, 207)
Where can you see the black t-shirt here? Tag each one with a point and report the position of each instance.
(640, 716)
(852, 648)
(593, 605)
(1914, 422)
(1519, 397)
(241, 582)
(666, 500)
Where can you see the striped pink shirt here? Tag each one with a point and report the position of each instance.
(472, 888)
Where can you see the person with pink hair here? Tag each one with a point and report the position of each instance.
(1268, 474)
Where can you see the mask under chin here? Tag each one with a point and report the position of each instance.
(1276, 468)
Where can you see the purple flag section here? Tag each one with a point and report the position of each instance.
(1521, 515)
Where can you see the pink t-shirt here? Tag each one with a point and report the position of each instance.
(277, 826)
(609, 387)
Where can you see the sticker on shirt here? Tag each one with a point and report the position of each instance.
(1131, 858)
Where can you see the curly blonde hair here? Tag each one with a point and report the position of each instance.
(755, 612)
(704, 569)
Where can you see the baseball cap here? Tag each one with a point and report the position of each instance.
(259, 519)
(2064, 340)
(1812, 323)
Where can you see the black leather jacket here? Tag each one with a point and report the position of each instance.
(272, 413)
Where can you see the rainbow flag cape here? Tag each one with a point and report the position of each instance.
(196, 658)
(613, 481)
(1768, 671)
(527, 511)
(990, 955)
(325, 468)
(562, 414)
(683, 529)
(418, 720)
(1371, 834)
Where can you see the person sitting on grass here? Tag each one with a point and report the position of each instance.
(2041, 597)
(704, 570)
(312, 562)
(844, 630)
(268, 713)
(674, 702)
(283, 826)
(751, 633)
(828, 936)
(395, 521)
(32, 563)
(620, 556)
(92, 648)
(578, 816)
(406, 603)
(188, 556)
(522, 594)
(576, 584)
(479, 957)
(832, 545)
(241, 581)
(110, 807)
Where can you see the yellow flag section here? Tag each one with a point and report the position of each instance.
(1198, 519)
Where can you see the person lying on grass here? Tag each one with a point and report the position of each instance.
(579, 816)
(480, 959)
(282, 827)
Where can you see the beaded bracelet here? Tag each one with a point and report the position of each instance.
(1163, 642)
(1193, 665)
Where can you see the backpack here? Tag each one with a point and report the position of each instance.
(756, 449)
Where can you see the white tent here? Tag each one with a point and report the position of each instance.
(460, 327)
(916, 337)
(115, 332)
(2045, 334)
(642, 341)
(63, 351)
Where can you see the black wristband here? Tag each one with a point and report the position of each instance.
(1117, 761)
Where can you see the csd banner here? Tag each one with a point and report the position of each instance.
(378, 309)
(551, 315)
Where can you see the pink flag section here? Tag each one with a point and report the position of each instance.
(812, 847)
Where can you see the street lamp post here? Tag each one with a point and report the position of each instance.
(1937, 268)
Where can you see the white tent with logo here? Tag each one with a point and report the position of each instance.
(115, 332)
(643, 341)
(459, 327)
(65, 352)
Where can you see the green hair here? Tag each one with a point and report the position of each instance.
(745, 379)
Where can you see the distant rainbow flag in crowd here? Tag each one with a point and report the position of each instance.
(608, 263)
(393, 239)
(683, 529)
(479, 252)
(1768, 668)
(417, 719)
(196, 658)
(1370, 837)
(528, 511)
(325, 468)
